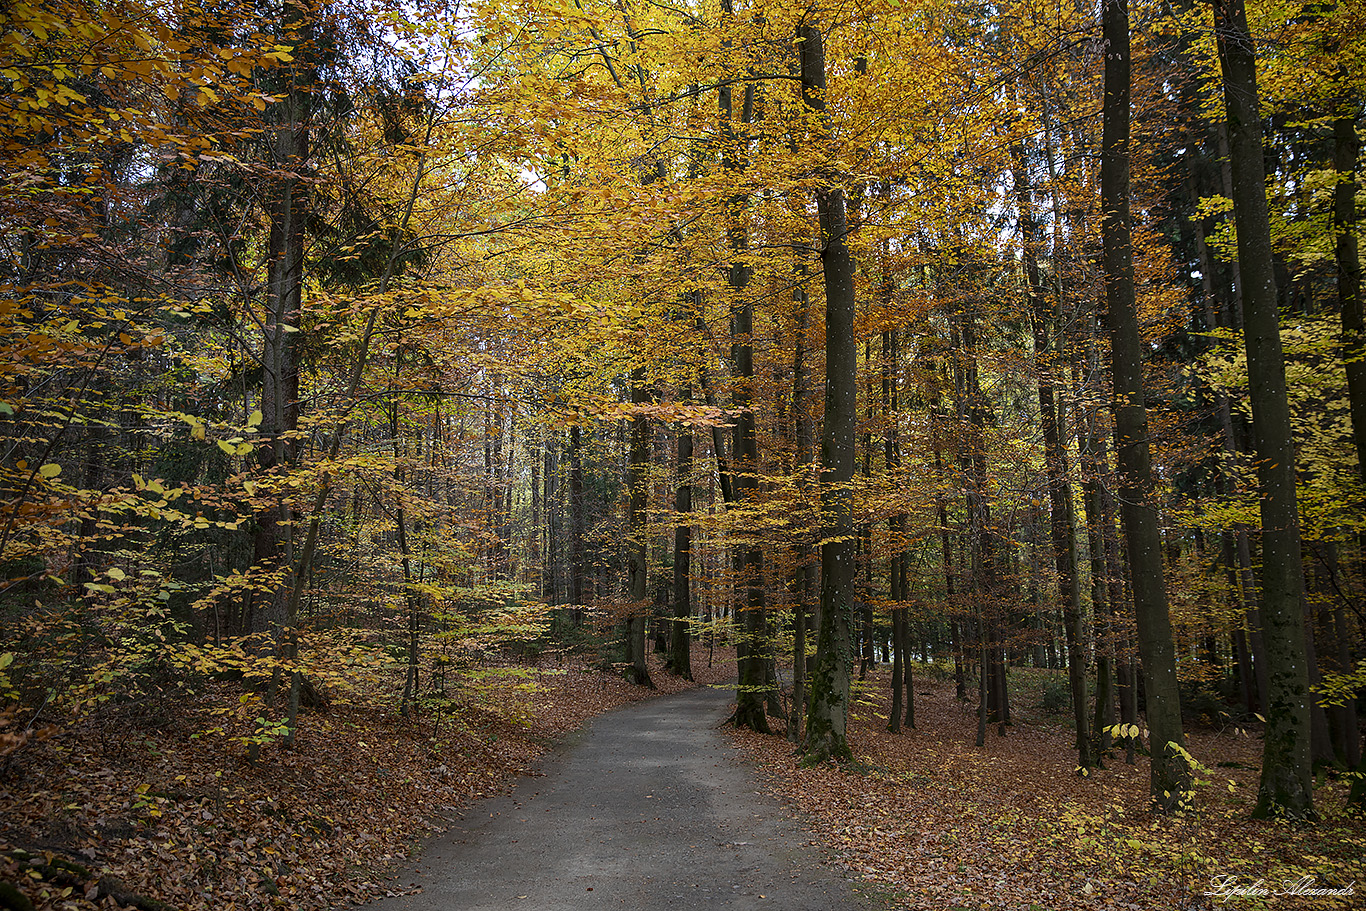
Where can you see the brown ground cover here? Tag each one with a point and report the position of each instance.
(132, 808)
(941, 824)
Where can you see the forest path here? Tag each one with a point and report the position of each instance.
(648, 807)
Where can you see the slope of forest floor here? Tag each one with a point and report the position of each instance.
(134, 808)
(945, 825)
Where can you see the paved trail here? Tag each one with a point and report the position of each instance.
(648, 809)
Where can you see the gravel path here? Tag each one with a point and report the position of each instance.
(647, 808)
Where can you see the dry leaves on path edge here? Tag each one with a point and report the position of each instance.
(940, 824)
(183, 823)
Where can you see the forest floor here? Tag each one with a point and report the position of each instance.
(138, 806)
(946, 826)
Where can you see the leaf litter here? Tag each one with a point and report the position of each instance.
(933, 823)
(141, 808)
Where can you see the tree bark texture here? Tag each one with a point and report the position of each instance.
(828, 715)
(680, 643)
(1170, 777)
(639, 550)
(1063, 526)
(1286, 785)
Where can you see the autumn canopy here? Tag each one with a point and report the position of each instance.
(350, 351)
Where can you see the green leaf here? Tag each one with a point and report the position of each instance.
(226, 446)
(50, 470)
(116, 574)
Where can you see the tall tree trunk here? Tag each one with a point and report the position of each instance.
(638, 547)
(535, 553)
(804, 583)
(680, 656)
(1099, 525)
(576, 522)
(1346, 150)
(864, 559)
(896, 524)
(752, 648)
(946, 556)
(828, 716)
(410, 595)
(1063, 527)
(984, 549)
(281, 336)
(551, 498)
(288, 213)
(1170, 777)
(1287, 782)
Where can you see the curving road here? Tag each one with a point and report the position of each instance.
(646, 809)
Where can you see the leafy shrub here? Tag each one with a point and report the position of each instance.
(1056, 696)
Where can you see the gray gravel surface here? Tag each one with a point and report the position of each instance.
(647, 808)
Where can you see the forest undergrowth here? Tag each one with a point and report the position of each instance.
(938, 823)
(134, 810)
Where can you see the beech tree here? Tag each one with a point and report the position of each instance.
(1170, 779)
(828, 716)
(1286, 770)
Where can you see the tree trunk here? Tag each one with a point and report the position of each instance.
(898, 673)
(828, 716)
(1063, 527)
(804, 584)
(576, 522)
(752, 647)
(1286, 784)
(680, 656)
(535, 553)
(410, 595)
(550, 496)
(908, 680)
(639, 550)
(896, 526)
(1170, 777)
(287, 210)
(1345, 153)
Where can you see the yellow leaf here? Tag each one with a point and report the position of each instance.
(50, 470)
